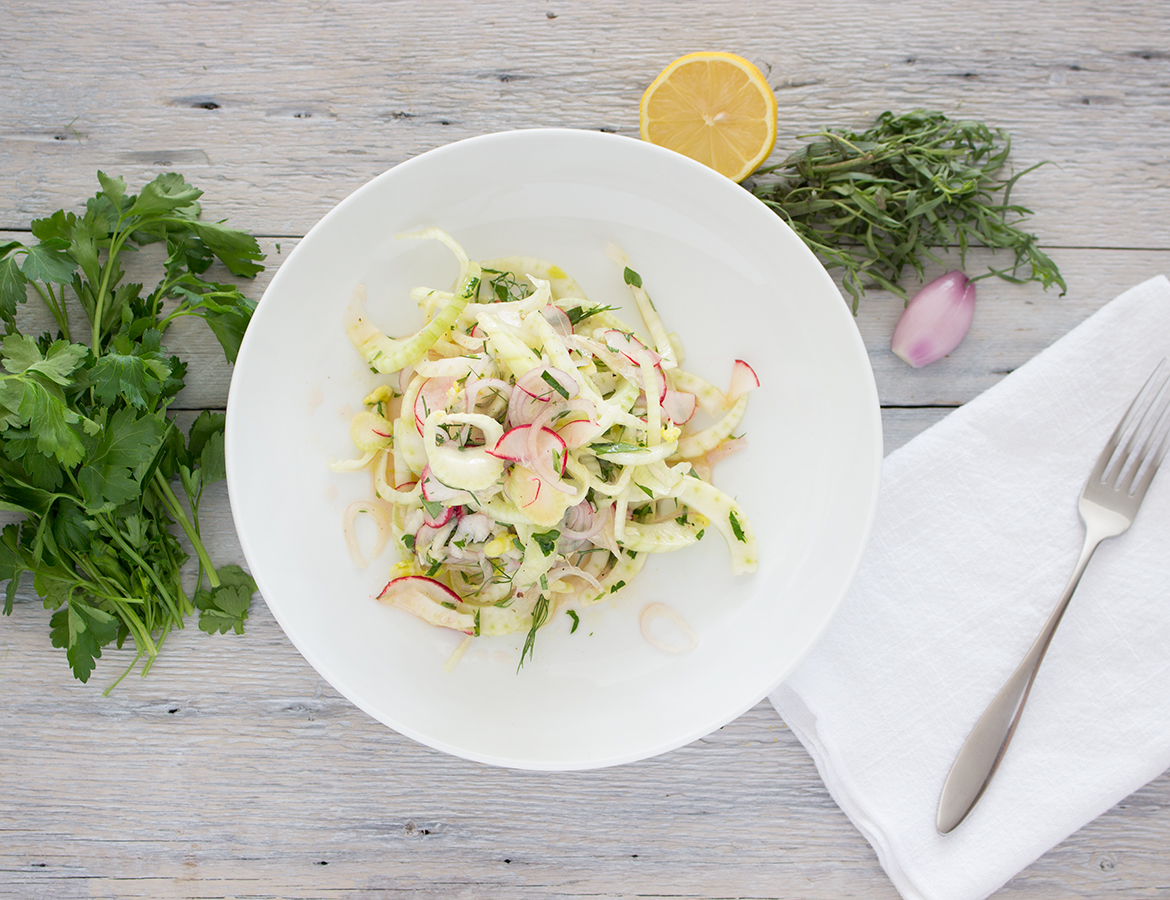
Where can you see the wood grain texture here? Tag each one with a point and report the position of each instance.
(233, 770)
(287, 114)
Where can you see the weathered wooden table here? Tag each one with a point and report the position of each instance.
(233, 770)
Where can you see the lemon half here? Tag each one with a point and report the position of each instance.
(715, 108)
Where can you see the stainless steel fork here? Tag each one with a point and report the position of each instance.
(1108, 505)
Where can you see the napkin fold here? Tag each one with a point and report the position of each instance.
(976, 535)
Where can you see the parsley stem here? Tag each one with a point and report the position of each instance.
(99, 304)
(126, 671)
(176, 510)
(57, 309)
(140, 562)
(142, 637)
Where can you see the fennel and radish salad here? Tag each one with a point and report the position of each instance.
(529, 450)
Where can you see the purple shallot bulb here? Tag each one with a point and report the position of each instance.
(935, 320)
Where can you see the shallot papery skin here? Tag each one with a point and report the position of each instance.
(935, 320)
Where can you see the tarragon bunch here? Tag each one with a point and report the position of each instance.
(88, 451)
(874, 202)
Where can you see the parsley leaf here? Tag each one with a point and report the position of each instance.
(546, 541)
(225, 608)
(88, 449)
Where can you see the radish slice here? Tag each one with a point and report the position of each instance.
(743, 379)
(429, 600)
(517, 446)
(579, 432)
(432, 396)
(438, 521)
(629, 346)
(679, 406)
(558, 319)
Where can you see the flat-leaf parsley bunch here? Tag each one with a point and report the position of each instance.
(88, 452)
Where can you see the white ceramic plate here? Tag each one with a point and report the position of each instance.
(731, 279)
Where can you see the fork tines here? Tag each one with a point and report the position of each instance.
(1143, 426)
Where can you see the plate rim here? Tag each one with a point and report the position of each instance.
(874, 459)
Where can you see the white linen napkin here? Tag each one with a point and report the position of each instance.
(977, 533)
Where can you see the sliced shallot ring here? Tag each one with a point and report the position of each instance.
(381, 514)
(576, 572)
(523, 408)
(662, 611)
(534, 383)
(472, 390)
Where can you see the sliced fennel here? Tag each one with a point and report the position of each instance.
(532, 450)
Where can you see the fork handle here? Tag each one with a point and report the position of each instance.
(985, 746)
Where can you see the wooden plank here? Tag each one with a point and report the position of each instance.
(280, 117)
(1012, 324)
(233, 770)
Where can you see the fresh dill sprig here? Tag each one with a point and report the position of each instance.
(875, 202)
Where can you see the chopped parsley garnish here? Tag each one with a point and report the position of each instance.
(632, 277)
(576, 620)
(546, 541)
(736, 528)
(617, 586)
(433, 507)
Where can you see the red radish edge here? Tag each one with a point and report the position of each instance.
(743, 379)
(624, 340)
(427, 586)
(679, 406)
(513, 446)
(421, 409)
